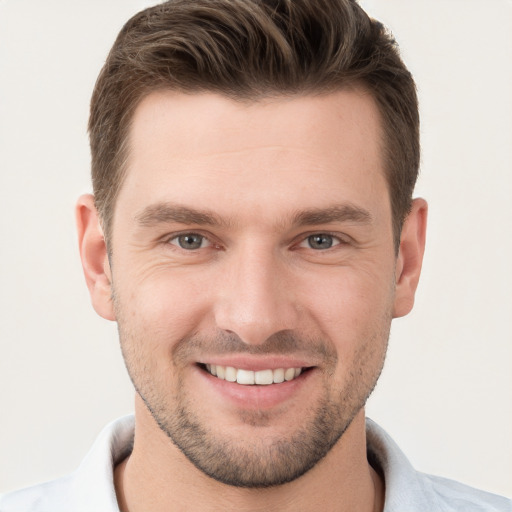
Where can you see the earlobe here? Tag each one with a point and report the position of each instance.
(410, 257)
(93, 253)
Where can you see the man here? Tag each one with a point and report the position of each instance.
(253, 233)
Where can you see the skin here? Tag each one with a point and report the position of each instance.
(253, 184)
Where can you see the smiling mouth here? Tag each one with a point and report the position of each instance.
(251, 378)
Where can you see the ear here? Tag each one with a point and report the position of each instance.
(410, 257)
(93, 253)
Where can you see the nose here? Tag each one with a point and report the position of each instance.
(256, 296)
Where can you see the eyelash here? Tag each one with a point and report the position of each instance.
(305, 238)
(177, 236)
(337, 239)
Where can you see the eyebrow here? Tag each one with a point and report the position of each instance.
(165, 213)
(338, 213)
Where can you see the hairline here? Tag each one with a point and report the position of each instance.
(107, 213)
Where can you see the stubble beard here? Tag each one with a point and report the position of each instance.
(255, 462)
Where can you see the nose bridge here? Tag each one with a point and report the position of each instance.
(254, 299)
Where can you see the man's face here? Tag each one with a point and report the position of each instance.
(250, 240)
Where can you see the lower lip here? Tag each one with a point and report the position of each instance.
(256, 397)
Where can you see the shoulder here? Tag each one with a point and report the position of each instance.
(457, 496)
(46, 497)
(88, 489)
(408, 490)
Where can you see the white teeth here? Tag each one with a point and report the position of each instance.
(248, 377)
(230, 374)
(289, 374)
(245, 377)
(264, 377)
(221, 372)
(278, 376)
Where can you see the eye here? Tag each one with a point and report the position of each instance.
(190, 241)
(320, 241)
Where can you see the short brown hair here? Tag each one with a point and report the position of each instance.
(247, 50)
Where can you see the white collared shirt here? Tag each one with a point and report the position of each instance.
(91, 487)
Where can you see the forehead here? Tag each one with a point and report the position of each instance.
(208, 148)
(204, 123)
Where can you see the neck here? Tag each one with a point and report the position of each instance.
(158, 477)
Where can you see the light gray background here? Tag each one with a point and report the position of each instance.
(446, 392)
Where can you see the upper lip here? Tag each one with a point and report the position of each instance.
(254, 363)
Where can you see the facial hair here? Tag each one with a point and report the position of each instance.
(256, 461)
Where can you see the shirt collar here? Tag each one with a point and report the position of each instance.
(93, 481)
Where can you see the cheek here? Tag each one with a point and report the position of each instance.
(356, 318)
(162, 307)
(350, 301)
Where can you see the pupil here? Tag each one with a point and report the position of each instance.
(320, 241)
(190, 241)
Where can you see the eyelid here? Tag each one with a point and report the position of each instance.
(203, 244)
(340, 238)
(170, 237)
